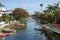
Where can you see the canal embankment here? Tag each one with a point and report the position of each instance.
(11, 28)
(51, 32)
(17, 25)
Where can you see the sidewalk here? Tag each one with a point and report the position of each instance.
(57, 30)
(3, 25)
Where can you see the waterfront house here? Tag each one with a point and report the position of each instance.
(4, 11)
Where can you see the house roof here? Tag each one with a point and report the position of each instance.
(1, 10)
(9, 10)
(6, 11)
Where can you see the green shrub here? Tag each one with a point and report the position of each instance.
(58, 19)
(1, 29)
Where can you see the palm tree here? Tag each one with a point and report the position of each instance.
(41, 5)
(54, 10)
(1, 5)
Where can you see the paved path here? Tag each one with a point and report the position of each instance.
(49, 25)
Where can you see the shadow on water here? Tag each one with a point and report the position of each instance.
(28, 33)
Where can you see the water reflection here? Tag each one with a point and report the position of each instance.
(29, 33)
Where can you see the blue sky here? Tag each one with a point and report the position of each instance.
(29, 5)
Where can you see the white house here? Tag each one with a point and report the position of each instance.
(8, 12)
(4, 11)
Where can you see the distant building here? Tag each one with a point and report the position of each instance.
(4, 11)
(8, 12)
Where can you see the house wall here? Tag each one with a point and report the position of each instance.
(2, 8)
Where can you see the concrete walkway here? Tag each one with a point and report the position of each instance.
(49, 26)
(57, 30)
(3, 25)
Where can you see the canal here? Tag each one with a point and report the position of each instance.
(29, 33)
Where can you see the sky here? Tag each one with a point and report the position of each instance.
(29, 5)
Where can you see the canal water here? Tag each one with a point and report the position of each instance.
(29, 33)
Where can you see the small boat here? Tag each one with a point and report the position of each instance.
(19, 24)
(39, 29)
(2, 35)
(8, 31)
(5, 34)
(9, 34)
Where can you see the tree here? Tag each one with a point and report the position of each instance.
(5, 18)
(11, 18)
(1, 5)
(20, 13)
(53, 10)
(37, 14)
(58, 19)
